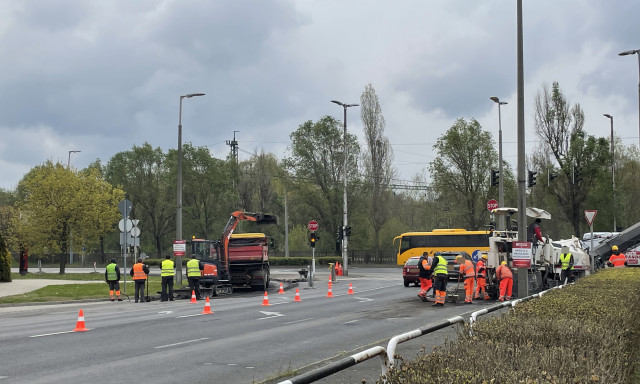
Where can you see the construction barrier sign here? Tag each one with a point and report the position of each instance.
(521, 254)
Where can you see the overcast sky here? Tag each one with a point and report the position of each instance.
(102, 76)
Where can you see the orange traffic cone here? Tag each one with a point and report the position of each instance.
(281, 290)
(265, 301)
(80, 324)
(329, 293)
(350, 290)
(207, 307)
(297, 298)
(193, 297)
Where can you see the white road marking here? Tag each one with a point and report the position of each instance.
(297, 321)
(363, 299)
(180, 343)
(351, 322)
(270, 315)
(196, 314)
(49, 334)
(165, 312)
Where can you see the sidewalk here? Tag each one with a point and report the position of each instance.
(19, 287)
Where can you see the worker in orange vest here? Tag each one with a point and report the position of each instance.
(505, 277)
(468, 275)
(481, 278)
(424, 274)
(139, 273)
(618, 259)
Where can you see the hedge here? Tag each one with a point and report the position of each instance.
(5, 261)
(588, 332)
(281, 261)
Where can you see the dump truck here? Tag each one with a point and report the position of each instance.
(239, 260)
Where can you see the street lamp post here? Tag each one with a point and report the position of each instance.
(613, 174)
(501, 219)
(179, 191)
(345, 259)
(637, 53)
(69, 159)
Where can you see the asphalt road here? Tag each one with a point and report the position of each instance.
(241, 342)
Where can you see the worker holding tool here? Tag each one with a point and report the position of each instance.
(112, 277)
(194, 266)
(468, 275)
(566, 265)
(424, 270)
(481, 278)
(505, 277)
(439, 268)
(139, 273)
(167, 273)
(618, 259)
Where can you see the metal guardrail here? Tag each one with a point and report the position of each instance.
(393, 343)
(339, 365)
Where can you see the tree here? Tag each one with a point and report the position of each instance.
(377, 162)
(578, 157)
(461, 170)
(55, 203)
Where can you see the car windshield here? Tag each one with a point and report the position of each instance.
(412, 262)
(451, 256)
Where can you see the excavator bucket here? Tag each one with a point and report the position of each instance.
(266, 219)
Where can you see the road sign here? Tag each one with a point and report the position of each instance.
(590, 216)
(179, 247)
(135, 232)
(313, 226)
(122, 224)
(521, 254)
(125, 207)
(491, 205)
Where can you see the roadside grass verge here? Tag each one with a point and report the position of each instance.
(56, 276)
(588, 332)
(69, 292)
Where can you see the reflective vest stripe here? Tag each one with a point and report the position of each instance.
(469, 272)
(564, 259)
(111, 272)
(138, 272)
(481, 270)
(441, 267)
(167, 268)
(193, 268)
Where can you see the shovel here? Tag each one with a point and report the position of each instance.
(453, 297)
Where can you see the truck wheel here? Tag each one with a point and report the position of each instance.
(266, 278)
(406, 283)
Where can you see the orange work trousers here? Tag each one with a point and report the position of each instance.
(468, 289)
(425, 285)
(481, 287)
(506, 286)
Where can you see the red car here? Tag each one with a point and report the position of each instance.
(410, 271)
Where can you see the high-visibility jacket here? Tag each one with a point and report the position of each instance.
(138, 272)
(503, 272)
(112, 274)
(441, 266)
(565, 259)
(467, 270)
(618, 260)
(193, 268)
(167, 268)
(482, 271)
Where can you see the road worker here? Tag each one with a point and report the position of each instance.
(167, 273)
(112, 277)
(505, 277)
(139, 273)
(439, 268)
(424, 270)
(617, 259)
(194, 266)
(481, 278)
(468, 275)
(566, 264)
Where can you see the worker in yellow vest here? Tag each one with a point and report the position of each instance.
(439, 268)
(194, 266)
(167, 273)
(112, 277)
(566, 265)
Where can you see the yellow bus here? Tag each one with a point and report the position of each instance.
(440, 240)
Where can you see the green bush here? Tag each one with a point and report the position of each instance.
(584, 333)
(5, 261)
(303, 261)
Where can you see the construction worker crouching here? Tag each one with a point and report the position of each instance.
(439, 268)
(481, 278)
(194, 266)
(424, 275)
(505, 277)
(167, 273)
(112, 277)
(566, 265)
(139, 273)
(617, 259)
(468, 273)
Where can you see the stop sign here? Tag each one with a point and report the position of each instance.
(313, 225)
(492, 204)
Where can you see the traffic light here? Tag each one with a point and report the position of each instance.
(577, 174)
(532, 179)
(495, 175)
(347, 231)
(312, 239)
(339, 233)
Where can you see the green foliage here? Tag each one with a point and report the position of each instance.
(303, 261)
(5, 261)
(584, 333)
